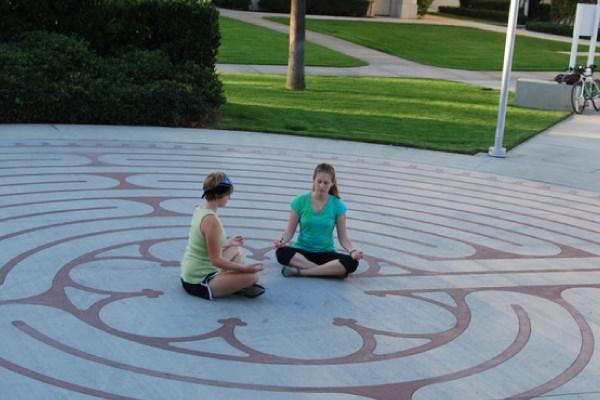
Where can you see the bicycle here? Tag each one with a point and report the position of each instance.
(586, 89)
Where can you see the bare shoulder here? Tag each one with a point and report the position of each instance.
(209, 222)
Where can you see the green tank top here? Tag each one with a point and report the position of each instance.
(195, 264)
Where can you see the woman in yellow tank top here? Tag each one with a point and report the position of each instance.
(212, 265)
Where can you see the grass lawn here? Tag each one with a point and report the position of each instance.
(446, 46)
(431, 114)
(243, 43)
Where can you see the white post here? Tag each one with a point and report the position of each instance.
(574, 46)
(594, 38)
(498, 150)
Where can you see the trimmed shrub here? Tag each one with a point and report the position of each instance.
(276, 6)
(353, 8)
(51, 78)
(186, 30)
(497, 5)
(80, 17)
(233, 4)
(491, 15)
(192, 33)
(549, 27)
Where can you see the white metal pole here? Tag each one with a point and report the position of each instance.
(498, 150)
(574, 46)
(594, 38)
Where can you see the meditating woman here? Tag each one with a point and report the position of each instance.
(317, 212)
(212, 265)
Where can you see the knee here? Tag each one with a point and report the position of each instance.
(353, 266)
(248, 278)
(238, 257)
(350, 264)
(236, 254)
(284, 255)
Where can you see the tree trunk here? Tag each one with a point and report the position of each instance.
(295, 72)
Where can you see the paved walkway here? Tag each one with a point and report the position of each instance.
(481, 280)
(382, 64)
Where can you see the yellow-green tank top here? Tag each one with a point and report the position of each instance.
(195, 264)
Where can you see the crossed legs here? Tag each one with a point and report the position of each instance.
(229, 282)
(305, 263)
(308, 268)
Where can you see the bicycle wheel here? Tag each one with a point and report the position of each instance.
(577, 98)
(595, 97)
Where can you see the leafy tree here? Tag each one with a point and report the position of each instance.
(423, 6)
(563, 11)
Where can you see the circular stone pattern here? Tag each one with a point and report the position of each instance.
(474, 286)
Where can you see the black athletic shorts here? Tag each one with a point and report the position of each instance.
(285, 254)
(200, 289)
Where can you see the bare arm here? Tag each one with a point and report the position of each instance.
(211, 229)
(290, 229)
(340, 225)
(237, 240)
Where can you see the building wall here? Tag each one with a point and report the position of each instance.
(394, 8)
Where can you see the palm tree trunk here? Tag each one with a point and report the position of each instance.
(295, 72)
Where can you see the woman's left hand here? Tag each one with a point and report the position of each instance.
(237, 240)
(357, 254)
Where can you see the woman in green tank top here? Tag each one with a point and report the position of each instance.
(212, 265)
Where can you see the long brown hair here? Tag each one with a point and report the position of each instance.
(329, 170)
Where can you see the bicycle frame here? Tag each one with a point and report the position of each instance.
(587, 90)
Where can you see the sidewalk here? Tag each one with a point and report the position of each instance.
(382, 64)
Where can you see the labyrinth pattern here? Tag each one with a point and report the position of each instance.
(474, 286)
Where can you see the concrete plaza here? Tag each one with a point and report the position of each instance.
(478, 283)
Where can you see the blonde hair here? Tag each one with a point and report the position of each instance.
(212, 181)
(329, 170)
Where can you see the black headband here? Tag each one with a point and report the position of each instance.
(222, 188)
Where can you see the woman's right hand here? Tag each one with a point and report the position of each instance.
(278, 243)
(256, 267)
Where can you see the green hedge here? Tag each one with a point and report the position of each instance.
(353, 8)
(52, 78)
(81, 17)
(549, 27)
(537, 10)
(233, 4)
(497, 5)
(491, 15)
(186, 30)
(276, 6)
